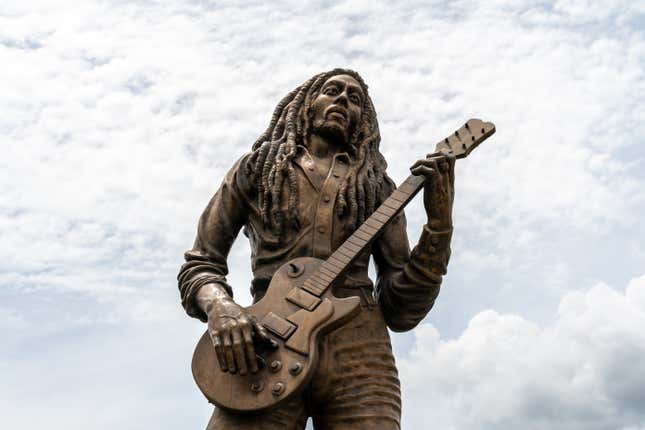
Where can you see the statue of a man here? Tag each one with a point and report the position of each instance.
(321, 152)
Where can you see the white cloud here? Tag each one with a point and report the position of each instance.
(583, 371)
(119, 118)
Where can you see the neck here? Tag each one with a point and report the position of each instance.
(321, 147)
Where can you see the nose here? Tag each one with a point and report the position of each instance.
(341, 99)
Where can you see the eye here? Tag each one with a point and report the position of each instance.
(330, 91)
(355, 98)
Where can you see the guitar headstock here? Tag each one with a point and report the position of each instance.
(464, 140)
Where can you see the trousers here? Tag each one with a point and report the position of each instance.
(355, 386)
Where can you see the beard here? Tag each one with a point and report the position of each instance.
(331, 130)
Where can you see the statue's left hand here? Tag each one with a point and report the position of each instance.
(439, 192)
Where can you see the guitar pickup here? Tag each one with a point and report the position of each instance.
(278, 325)
(303, 299)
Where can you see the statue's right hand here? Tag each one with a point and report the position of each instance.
(232, 330)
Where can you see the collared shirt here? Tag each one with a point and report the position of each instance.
(407, 283)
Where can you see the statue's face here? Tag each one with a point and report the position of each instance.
(337, 109)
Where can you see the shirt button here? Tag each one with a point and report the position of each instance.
(434, 240)
(321, 229)
(326, 199)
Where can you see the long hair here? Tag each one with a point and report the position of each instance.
(271, 163)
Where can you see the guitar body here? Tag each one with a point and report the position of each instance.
(288, 368)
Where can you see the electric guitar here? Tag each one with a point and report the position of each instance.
(299, 307)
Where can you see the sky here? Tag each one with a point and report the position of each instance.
(119, 118)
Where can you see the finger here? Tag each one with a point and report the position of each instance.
(424, 171)
(423, 162)
(451, 161)
(262, 334)
(438, 160)
(238, 350)
(437, 154)
(217, 343)
(250, 349)
(448, 160)
(228, 352)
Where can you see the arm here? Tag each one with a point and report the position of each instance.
(205, 270)
(408, 283)
(204, 291)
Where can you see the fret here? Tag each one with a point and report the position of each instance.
(391, 205)
(385, 211)
(332, 268)
(357, 241)
(362, 235)
(371, 222)
(329, 268)
(343, 260)
(317, 282)
(407, 188)
(353, 248)
(326, 271)
(347, 253)
(380, 218)
(368, 229)
(324, 277)
(310, 288)
(336, 263)
(396, 196)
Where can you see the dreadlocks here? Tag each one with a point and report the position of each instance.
(271, 162)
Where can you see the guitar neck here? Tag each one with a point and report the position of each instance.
(459, 144)
(338, 263)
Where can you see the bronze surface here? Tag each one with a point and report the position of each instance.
(316, 203)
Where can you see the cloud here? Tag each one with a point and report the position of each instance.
(582, 371)
(118, 119)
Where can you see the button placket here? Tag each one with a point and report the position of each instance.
(325, 211)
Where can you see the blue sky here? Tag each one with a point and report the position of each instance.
(118, 120)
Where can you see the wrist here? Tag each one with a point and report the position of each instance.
(436, 224)
(210, 295)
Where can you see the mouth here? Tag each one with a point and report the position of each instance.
(337, 112)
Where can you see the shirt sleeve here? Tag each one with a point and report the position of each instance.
(408, 282)
(218, 227)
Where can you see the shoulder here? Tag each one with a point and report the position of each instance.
(240, 176)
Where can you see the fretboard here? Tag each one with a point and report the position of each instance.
(459, 144)
(338, 263)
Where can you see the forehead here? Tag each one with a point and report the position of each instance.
(344, 80)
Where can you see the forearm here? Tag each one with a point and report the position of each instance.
(407, 295)
(218, 227)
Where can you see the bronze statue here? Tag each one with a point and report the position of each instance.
(315, 342)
